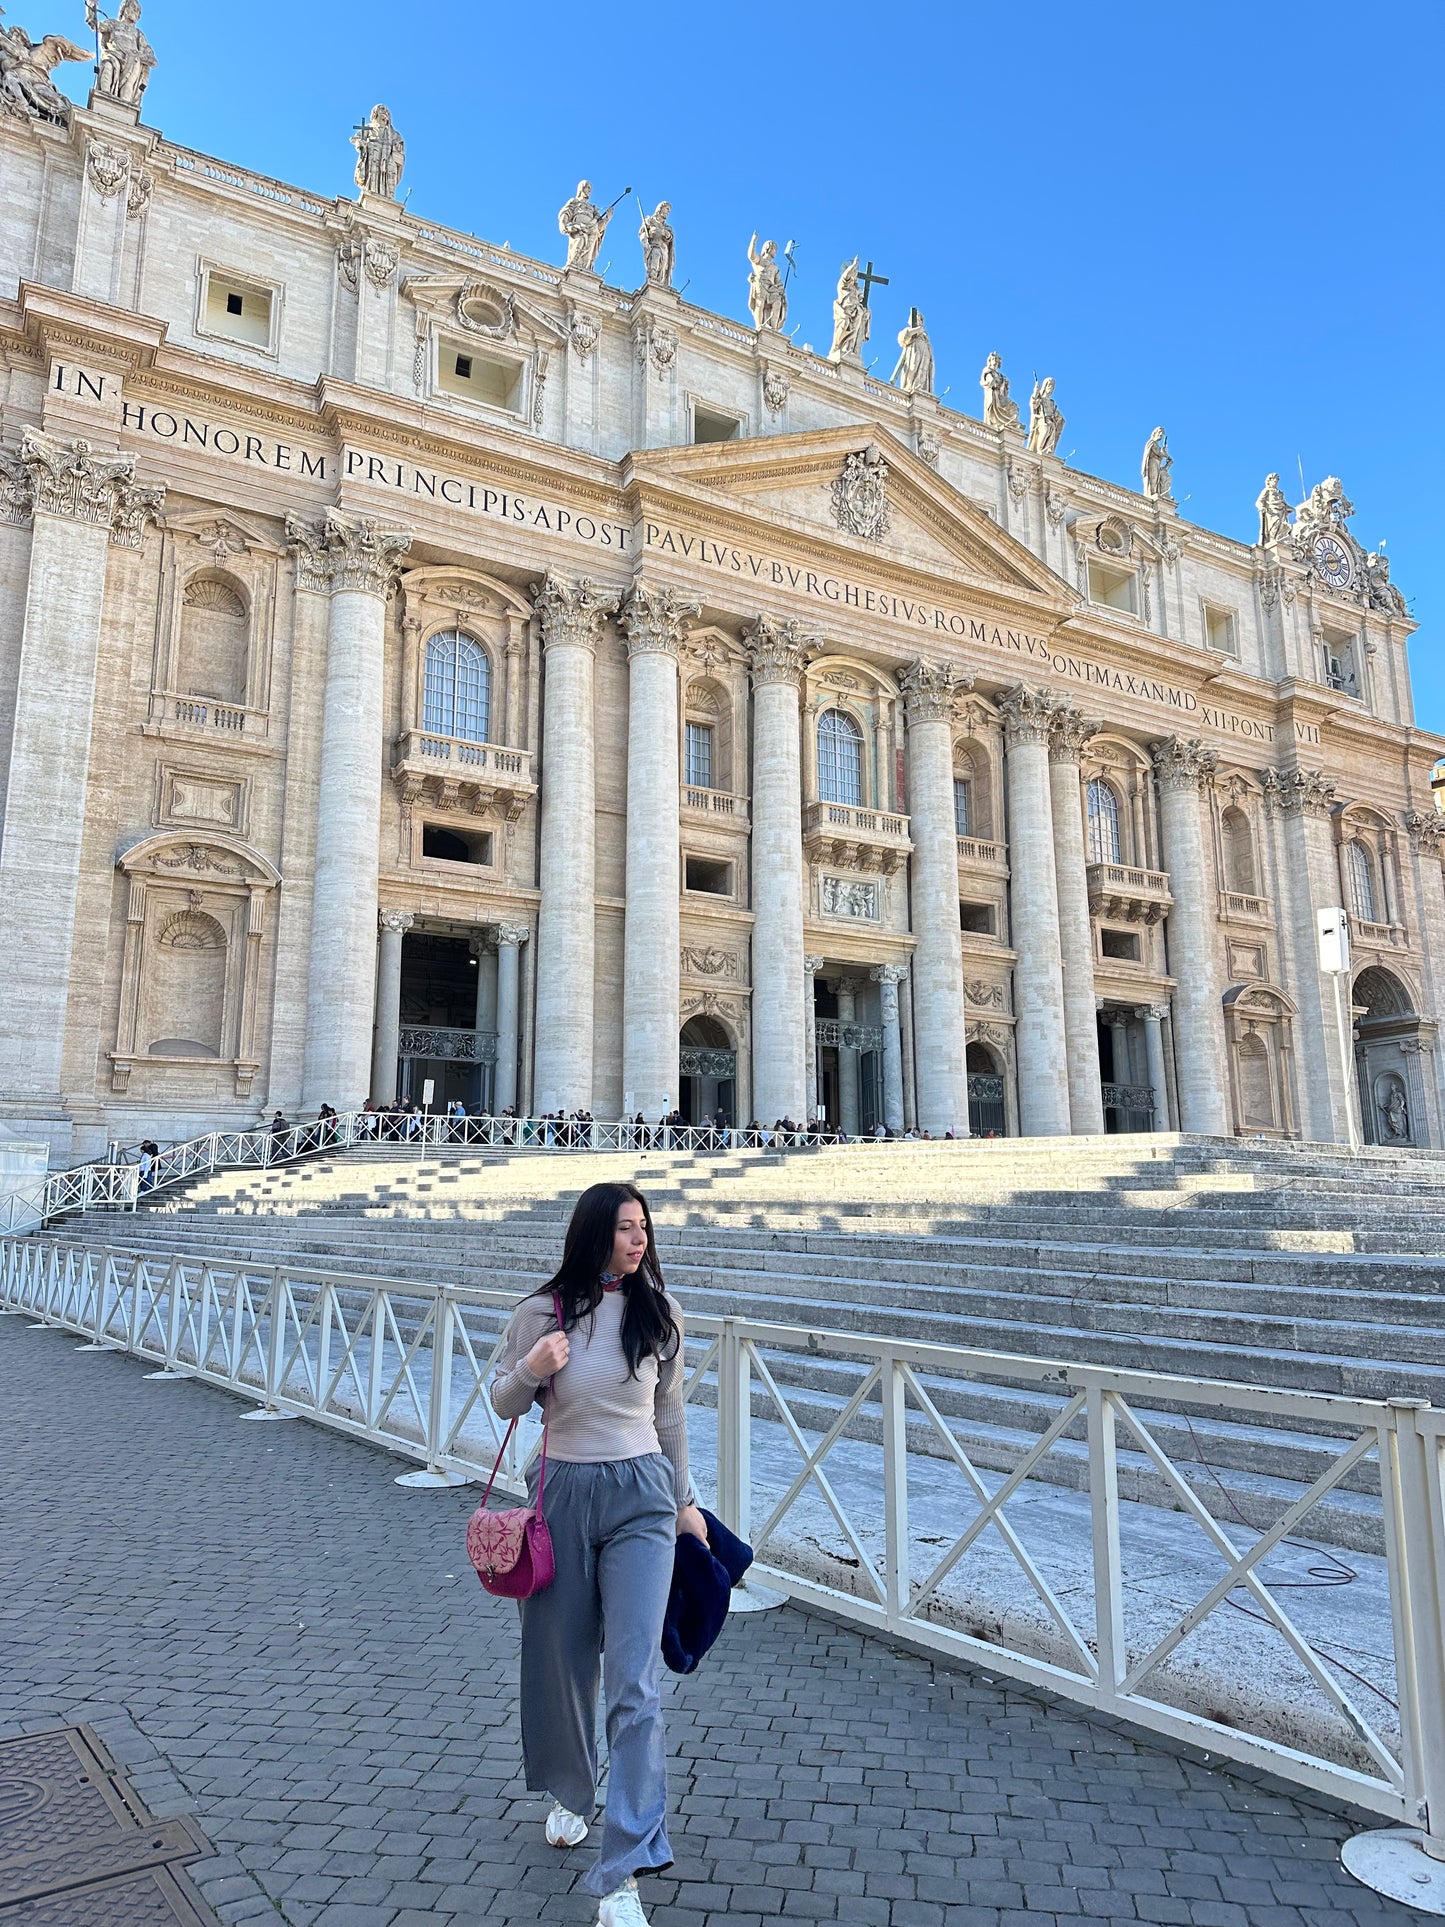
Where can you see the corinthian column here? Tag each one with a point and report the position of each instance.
(572, 615)
(353, 562)
(1068, 733)
(83, 503)
(778, 653)
(930, 693)
(656, 623)
(1184, 768)
(1039, 1035)
(393, 925)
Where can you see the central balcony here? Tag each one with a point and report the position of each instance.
(458, 775)
(721, 806)
(1125, 895)
(855, 839)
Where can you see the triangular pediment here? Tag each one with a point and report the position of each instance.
(860, 486)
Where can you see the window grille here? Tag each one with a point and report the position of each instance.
(1105, 843)
(458, 690)
(840, 759)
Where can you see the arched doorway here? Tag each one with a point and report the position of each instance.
(1389, 1044)
(707, 1077)
(986, 1116)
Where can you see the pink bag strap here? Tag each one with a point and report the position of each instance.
(546, 1421)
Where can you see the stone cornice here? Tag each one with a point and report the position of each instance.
(69, 479)
(777, 651)
(931, 690)
(657, 620)
(1027, 714)
(1184, 763)
(344, 553)
(572, 612)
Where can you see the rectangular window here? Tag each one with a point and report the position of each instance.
(960, 807)
(1219, 630)
(237, 309)
(712, 425)
(1113, 588)
(977, 918)
(698, 756)
(494, 379)
(709, 874)
(1122, 945)
(456, 846)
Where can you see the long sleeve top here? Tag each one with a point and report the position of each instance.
(599, 1413)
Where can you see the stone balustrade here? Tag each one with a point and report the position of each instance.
(856, 839)
(1117, 891)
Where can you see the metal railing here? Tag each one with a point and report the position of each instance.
(124, 1185)
(842, 1518)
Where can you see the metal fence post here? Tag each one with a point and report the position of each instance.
(896, 1577)
(1104, 1520)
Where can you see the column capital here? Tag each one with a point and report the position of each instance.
(888, 973)
(1154, 1013)
(1307, 792)
(1027, 713)
(572, 612)
(1424, 829)
(397, 921)
(342, 552)
(812, 965)
(657, 620)
(1069, 730)
(69, 479)
(1184, 763)
(931, 690)
(777, 651)
(510, 933)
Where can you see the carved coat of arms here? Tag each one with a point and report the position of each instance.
(860, 501)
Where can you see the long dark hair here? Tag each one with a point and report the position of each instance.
(648, 1327)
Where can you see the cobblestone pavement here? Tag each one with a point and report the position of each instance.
(269, 1633)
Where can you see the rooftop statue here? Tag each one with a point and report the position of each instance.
(914, 373)
(380, 155)
(1046, 420)
(851, 319)
(126, 56)
(999, 410)
(658, 246)
(585, 226)
(26, 89)
(1273, 512)
(767, 294)
(1325, 507)
(1155, 466)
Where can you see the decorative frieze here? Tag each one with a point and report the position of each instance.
(69, 479)
(1305, 791)
(1028, 714)
(342, 553)
(572, 613)
(777, 651)
(931, 690)
(656, 620)
(1184, 763)
(709, 960)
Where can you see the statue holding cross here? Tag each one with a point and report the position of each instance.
(851, 318)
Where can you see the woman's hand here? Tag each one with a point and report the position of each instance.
(690, 1519)
(548, 1355)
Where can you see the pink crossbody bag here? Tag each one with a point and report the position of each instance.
(512, 1550)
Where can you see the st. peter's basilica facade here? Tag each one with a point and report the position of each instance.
(418, 662)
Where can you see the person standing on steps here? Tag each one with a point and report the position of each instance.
(618, 1496)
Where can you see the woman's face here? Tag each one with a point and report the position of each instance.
(629, 1240)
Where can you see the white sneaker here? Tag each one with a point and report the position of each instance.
(622, 1909)
(565, 1829)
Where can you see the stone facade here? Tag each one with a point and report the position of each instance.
(421, 663)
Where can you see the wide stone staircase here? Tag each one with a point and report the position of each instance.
(1286, 1266)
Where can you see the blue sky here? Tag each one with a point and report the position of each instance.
(1220, 217)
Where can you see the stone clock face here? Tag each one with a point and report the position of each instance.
(1332, 562)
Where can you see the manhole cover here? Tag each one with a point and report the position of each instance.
(79, 1849)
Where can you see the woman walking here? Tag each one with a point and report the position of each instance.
(617, 1496)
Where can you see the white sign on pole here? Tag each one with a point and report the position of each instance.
(1332, 928)
(428, 1092)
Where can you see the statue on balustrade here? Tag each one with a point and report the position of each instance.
(26, 89)
(767, 291)
(851, 319)
(914, 373)
(1046, 419)
(380, 155)
(1273, 512)
(585, 226)
(658, 246)
(1155, 467)
(1000, 411)
(126, 56)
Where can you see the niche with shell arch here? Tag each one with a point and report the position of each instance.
(215, 626)
(215, 638)
(195, 922)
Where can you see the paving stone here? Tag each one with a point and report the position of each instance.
(268, 1625)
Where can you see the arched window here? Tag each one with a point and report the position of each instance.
(1105, 845)
(1238, 852)
(1361, 873)
(457, 699)
(840, 759)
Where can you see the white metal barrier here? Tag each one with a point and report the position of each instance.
(124, 1184)
(407, 1366)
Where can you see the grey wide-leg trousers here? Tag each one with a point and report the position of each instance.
(614, 1529)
